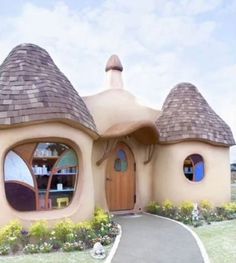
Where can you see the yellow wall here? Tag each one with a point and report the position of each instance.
(170, 182)
(82, 205)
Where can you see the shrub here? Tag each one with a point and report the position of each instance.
(104, 230)
(45, 247)
(185, 212)
(186, 208)
(55, 243)
(31, 249)
(153, 208)
(11, 235)
(205, 204)
(68, 247)
(114, 230)
(24, 237)
(87, 235)
(230, 210)
(168, 209)
(208, 214)
(106, 240)
(39, 230)
(4, 250)
(86, 225)
(100, 218)
(62, 229)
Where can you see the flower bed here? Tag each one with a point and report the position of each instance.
(64, 236)
(193, 214)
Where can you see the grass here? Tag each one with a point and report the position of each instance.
(219, 240)
(58, 257)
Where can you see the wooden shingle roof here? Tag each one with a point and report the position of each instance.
(33, 89)
(187, 116)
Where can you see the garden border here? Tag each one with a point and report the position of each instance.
(195, 236)
(114, 247)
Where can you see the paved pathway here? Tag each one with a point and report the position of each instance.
(149, 239)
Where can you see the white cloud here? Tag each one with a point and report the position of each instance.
(190, 7)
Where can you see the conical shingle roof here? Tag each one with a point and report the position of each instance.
(33, 89)
(187, 116)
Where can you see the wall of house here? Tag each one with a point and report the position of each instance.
(143, 173)
(171, 183)
(82, 205)
(115, 106)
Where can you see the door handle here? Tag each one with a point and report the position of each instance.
(108, 179)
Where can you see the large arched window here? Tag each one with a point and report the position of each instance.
(40, 176)
(194, 168)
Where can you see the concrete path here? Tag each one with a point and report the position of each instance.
(149, 239)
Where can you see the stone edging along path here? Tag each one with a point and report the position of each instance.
(114, 247)
(194, 235)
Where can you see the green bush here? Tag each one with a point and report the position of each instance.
(11, 235)
(186, 208)
(168, 209)
(100, 218)
(4, 250)
(40, 231)
(57, 244)
(106, 240)
(114, 230)
(185, 213)
(230, 210)
(153, 208)
(87, 235)
(75, 246)
(31, 249)
(45, 247)
(205, 204)
(62, 229)
(230, 207)
(86, 225)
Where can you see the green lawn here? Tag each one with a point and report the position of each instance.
(219, 240)
(57, 257)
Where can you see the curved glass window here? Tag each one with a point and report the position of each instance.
(121, 164)
(40, 176)
(194, 168)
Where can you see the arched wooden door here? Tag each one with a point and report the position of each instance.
(120, 179)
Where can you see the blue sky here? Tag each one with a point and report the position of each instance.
(160, 43)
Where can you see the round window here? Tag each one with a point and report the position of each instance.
(194, 168)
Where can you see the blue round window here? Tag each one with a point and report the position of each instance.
(194, 168)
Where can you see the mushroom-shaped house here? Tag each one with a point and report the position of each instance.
(194, 145)
(62, 155)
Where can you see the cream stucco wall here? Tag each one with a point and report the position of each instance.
(82, 205)
(116, 106)
(170, 182)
